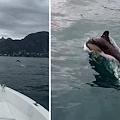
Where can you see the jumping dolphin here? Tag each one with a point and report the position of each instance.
(18, 61)
(103, 46)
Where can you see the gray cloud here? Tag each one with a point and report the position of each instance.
(21, 17)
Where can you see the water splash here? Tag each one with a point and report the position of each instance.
(108, 72)
(22, 65)
(110, 65)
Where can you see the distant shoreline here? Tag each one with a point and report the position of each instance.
(33, 45)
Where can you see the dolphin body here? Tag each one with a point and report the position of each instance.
(103, 46)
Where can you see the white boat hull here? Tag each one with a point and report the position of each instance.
(16, 106)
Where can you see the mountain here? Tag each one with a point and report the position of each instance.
(33, 45)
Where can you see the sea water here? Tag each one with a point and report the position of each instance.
(83, 89)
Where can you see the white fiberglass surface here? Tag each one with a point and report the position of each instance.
(9, 112)
(5, 112)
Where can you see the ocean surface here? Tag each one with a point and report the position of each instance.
(83, 87)
(30, 77)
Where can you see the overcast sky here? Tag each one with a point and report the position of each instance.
(18, 18)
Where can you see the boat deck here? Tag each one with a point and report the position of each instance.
(9, 112)
(16, 106)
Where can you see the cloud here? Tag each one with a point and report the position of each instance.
(21, 17)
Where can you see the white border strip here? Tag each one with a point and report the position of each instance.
(49, 59)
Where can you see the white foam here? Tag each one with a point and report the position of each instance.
(86, 48)
(23, 65)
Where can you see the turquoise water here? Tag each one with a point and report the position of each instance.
(29, 77)
(83, 89)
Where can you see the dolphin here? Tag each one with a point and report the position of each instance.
(18, 61)
(103, 46)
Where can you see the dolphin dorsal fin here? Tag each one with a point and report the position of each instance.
(105, 35)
